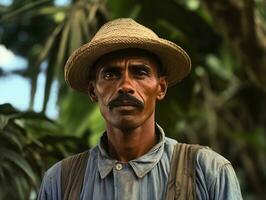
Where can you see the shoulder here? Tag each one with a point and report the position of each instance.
(208, 159)
(51, 183)
(53, 173)
(209, 164)
(50, 187)
(216, 176)
(170, 143)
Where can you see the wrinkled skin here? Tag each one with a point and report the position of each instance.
(129, 72)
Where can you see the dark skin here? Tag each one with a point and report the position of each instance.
(130, 123)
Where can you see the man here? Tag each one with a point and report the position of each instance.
(126, 69)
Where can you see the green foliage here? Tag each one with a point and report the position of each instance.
(221, 104)
(29, 144)
(81, 117)
(68, 27)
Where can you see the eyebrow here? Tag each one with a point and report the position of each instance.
(107, 66)
(112, 66)
(140, 64)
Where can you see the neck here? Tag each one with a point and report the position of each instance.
(130, 144)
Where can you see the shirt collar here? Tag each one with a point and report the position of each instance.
(141, 166)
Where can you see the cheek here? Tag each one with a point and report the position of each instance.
(104, 92)
(149, 91)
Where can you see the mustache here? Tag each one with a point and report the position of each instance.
(120, 100)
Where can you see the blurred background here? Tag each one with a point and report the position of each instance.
(222, 103)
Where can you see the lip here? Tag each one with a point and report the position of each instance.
(125, 107)
(126, 104)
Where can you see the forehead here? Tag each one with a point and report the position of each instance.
(134, 55)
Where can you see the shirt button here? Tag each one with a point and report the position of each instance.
(118, 166)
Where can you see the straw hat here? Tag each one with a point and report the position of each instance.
(122, 34)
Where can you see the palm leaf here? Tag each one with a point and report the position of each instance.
(20, 162)
(19, 187)
(62, 47)
(3, 121)
(135, 11)
(42, 56)
(84, 26)
(22, 10)
(12, 137)
(49, 77)
(51, 10)
(76, 31)
(92, 12)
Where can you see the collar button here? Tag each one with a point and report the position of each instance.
(118, 166)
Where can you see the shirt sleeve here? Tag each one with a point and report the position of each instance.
(215, 177)
(51, 186)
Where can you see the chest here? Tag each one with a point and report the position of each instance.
(123, 184)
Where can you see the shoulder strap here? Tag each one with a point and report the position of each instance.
(72, 175)
(181, 184)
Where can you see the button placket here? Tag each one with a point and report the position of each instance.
(117, 173)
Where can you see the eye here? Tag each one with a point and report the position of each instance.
(141, 72)
(110, 74)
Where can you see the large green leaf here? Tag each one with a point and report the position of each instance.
(42, 56)
(19, 161)
(51, 10)
(3, 121)
(62, 51)
(76, 29)
(27, 7)
(13, 138)
(216, 105)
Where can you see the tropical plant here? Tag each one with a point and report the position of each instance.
(222, 102)
(29, 144)
(66, 28)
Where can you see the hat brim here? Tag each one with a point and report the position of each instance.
(173, 58)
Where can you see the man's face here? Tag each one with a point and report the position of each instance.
(126, 88)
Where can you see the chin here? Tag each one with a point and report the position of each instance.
(127, 120)
(126, 123)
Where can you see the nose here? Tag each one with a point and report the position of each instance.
(126, 84)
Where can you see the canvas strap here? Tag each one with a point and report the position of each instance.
(72, 175)
(181, 184)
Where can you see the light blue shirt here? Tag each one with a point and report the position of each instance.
(146, 177)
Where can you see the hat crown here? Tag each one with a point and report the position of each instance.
(121, 34)
(123, 27)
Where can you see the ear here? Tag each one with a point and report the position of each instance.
(91, 92)
(162, 88)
